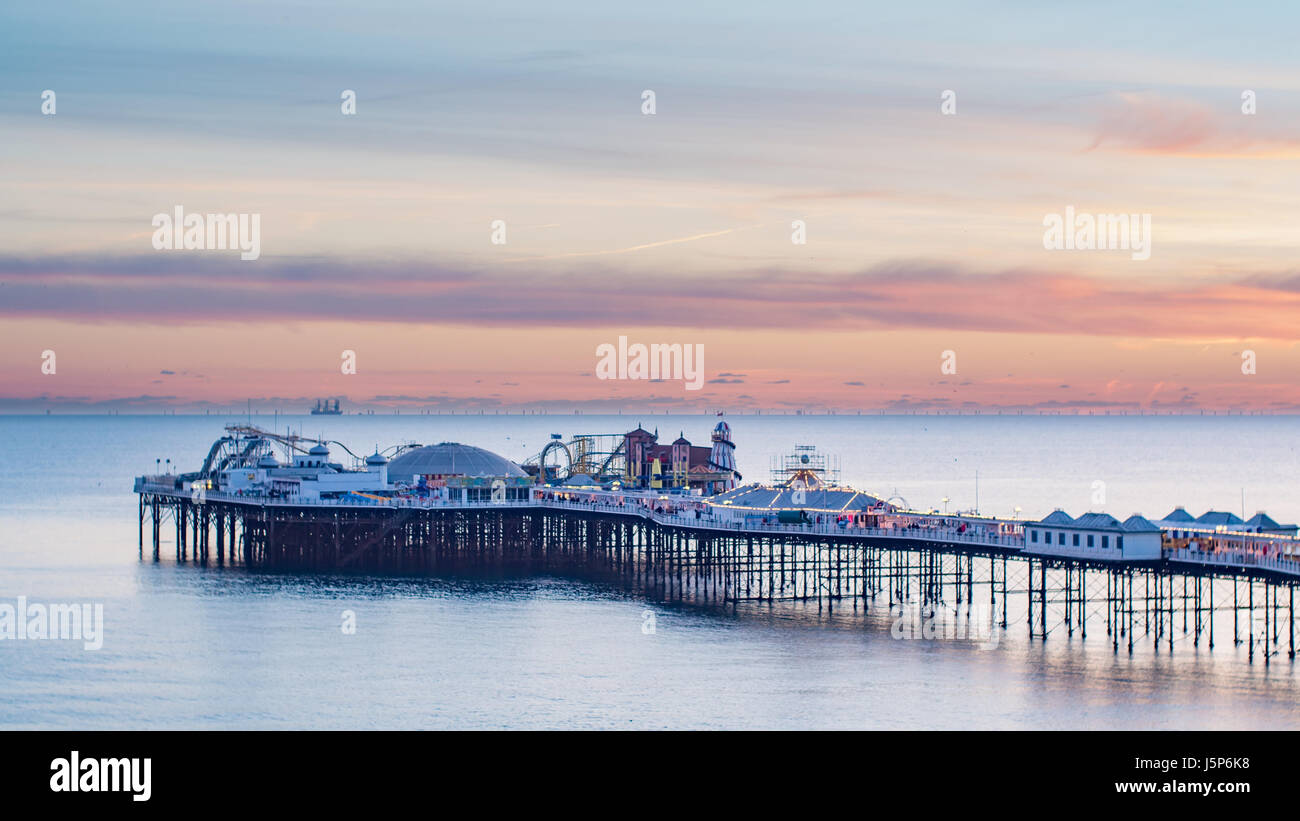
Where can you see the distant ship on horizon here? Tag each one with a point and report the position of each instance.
(326, 407)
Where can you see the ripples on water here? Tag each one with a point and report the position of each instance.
(189, 647)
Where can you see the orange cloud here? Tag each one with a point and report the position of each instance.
(1150, 124)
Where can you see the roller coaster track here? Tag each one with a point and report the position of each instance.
(581, 454)
(568, 455)
(621, 450)
(256, 439)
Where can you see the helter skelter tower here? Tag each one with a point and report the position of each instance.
(806, 468)
(723, 457)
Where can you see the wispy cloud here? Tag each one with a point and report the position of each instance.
(1154, 124)
(912, 294)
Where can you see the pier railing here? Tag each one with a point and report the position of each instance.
(710, 521)
(1234, 558)
(345, 502)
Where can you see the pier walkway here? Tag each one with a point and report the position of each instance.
(926, 531)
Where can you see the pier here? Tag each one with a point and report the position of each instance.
(1179, 597)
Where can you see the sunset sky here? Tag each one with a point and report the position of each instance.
(924, 230)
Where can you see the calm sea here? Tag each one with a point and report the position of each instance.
(187, 647)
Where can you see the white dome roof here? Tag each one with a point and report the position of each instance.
(452, 459)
